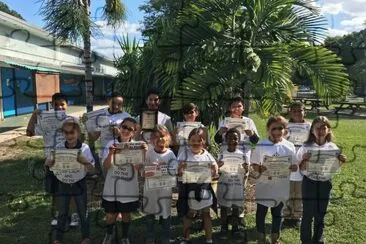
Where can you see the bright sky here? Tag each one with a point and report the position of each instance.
(344, 16)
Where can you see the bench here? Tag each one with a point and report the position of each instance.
(354, 106)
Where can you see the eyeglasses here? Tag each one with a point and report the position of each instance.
(277, 128)
(125, 127)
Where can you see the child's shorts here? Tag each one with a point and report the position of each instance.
(118, 207)
(50, 182)
(194, 213)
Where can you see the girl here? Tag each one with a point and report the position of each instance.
(298, 132)
(230, 190)
(75, 190)
(121, 190)
(157, 202)
(196, 198)
(315, 189)
(190, 114)
(272, 193)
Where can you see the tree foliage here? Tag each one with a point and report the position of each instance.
(5, 8)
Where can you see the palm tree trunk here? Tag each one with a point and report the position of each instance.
(88, 62)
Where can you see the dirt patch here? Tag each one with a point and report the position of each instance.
(20, 146)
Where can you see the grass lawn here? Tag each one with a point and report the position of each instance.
(25, 211)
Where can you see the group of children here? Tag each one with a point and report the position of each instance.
(300, 196)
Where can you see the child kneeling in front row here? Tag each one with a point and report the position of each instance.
(72, 184)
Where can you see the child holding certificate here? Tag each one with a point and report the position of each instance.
(108, 130)
(50, 140)
(317, 183)
(298, 132)
(121, 189)
(196, 195)
(230, 191)
(70, 173)
(271, 161)
(157, 198)
(248, 129)
(181, 132)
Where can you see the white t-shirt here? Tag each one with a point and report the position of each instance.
(230, 189)
(121, 182)
(314, 146)
(206, 195)
(159, 201)
(271, 193)
(106, 134)
(75, 175)
(297, 176)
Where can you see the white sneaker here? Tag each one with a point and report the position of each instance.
(54, 219)
(74, 220)
(125, 241)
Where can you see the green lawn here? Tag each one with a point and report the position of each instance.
(25, 210)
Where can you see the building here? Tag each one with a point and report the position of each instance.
(34, 65)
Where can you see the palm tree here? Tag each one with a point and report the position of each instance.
(214, 49)
(70, 19)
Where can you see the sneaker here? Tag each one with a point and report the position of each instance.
(107, 239)
(54, 219)
(125, 241)
(74, 221)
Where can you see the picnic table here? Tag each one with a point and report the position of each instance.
(313, 102)
(354, 106)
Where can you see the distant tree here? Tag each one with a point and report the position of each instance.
(6, 9)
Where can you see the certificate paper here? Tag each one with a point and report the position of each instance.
(323, 163)
(197, 172)
(51, 121)
(277, 167)
(233, 164)
(236, 123)
(158, 176)
(298, 133)
(95, 120)
(149, 118)
(66, 159)
(129, 153)
(184, 128)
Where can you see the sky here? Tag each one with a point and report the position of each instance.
(344, 16)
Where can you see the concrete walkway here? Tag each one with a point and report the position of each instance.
(13, 127)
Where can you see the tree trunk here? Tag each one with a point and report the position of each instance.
(88, 62)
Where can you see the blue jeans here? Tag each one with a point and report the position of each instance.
(260, 218)
(315, 200)
(78, 192)
(150, 223)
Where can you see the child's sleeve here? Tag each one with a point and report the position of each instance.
(173, 165)
(256, 157)
(255, 137)
(88, 155)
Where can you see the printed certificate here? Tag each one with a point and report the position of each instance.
(233, 164)
(159, 176)
(129, 153)
(298, 133)
(66, 159)
(184, 128)
(277, 167)
(95, 119)
(323, 162)
(197, 172)
(51, 121)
